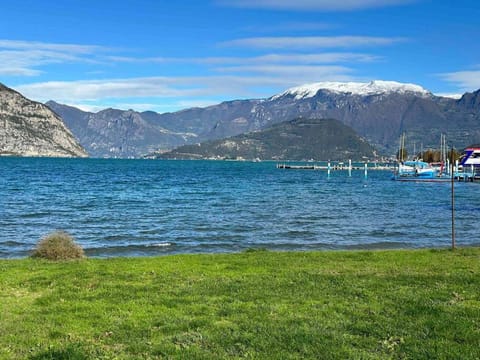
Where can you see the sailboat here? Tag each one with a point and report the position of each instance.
(417, 170)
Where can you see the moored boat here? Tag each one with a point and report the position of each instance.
(417, 170)
(469, 164)
(470, 156)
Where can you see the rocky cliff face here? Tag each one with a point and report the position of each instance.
(28, 128)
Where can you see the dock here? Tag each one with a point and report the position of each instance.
(332, 167)
(349, 167)
(298, 167)
(466, 176)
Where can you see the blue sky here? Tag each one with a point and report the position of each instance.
(167, 55)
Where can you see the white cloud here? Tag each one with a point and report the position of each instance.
(56, 47)
(223, 78)
(292, 71)
(315, 58)
(22, 58)
(290, 27)
(185, 104)
(449, 95)
(131, 59)
(86, 107)
(102, 89)
(320, 58)
(318, 5)
(311, 42)
(178, 91)
(239, 77)
(11, 70)
(468, 80)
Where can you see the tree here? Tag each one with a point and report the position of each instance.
(453, 155)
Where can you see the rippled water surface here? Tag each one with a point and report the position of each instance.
(149, 207)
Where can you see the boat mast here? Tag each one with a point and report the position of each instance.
(400, 149)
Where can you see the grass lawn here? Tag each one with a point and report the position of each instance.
(401, 304)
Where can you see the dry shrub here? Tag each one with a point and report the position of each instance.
(58, 246)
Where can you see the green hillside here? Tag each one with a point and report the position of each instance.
(299, 139)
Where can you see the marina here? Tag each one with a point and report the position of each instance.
(466, 168)
(406, 172)
(410, 171)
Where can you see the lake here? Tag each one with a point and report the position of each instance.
(156, 207)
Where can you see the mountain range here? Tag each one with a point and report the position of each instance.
(29, 128)
(378, 111)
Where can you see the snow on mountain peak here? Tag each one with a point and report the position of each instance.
(356, 88)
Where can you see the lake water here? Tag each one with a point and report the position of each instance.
(154, 207)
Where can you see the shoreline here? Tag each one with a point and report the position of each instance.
(352, 248)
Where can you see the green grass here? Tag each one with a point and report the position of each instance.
(417, 304)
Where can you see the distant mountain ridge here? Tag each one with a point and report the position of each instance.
(299, 139)
(118, 133)
(29, 128)
(379, 111)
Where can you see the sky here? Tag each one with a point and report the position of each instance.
(166, 56)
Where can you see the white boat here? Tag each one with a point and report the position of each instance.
(417, 170)
(470, 156)
(469, 164)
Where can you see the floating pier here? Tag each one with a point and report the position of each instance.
(466, 176)
(333, 167)
(342, 166)
(298, 167)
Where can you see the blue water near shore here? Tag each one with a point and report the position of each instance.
(153, 207)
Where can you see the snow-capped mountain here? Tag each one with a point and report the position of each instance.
(375, 87)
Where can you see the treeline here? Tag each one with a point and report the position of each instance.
(436, 155)
(429, 155)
